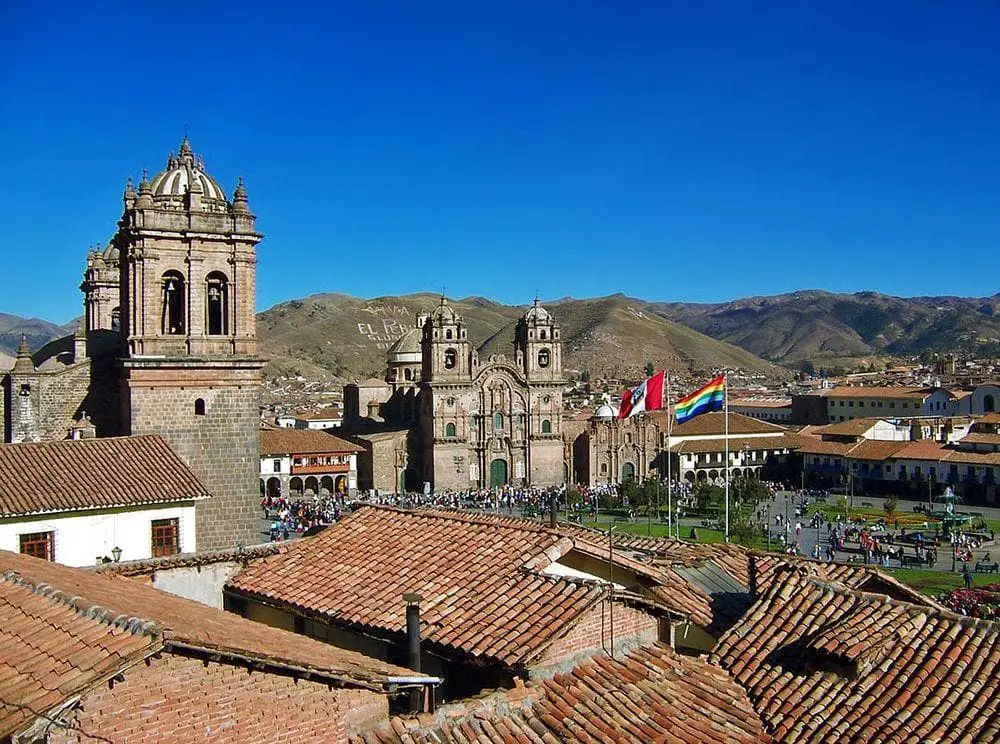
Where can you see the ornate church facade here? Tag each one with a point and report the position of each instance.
(168, 344)
(469, 422)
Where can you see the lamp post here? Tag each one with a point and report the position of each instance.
(116, 554)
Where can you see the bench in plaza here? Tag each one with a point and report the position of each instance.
(912, 560)
(987, 568)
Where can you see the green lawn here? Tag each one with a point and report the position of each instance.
(931, 583)
(658, 529)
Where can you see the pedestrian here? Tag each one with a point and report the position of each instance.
(966, 576)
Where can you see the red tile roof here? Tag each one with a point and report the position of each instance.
(49, 652)
(824, 663)
(650, 695)
(715, 423)
(284, 441)
(69, 475)
(911, 393)
(478, 576)
(179, 623)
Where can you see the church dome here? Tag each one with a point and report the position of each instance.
(605, 412)
(445, 314)
(185, 172)
(537, 314)
(406, 349)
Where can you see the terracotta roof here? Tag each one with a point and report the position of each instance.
(482, 593)
(856, 427)
(972, 458)
(715, 423)
(980, 438)
(914, 393)
(49, 652)
(824, 663)
(651, 695)
(69, 475)
(736, 444)
(302, 442)
(872, 449)
(988, 418)
(921, 449)
(181, 623)
(326, 414)
(770, 566)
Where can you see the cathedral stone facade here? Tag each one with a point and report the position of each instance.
(472, 422)
(168, 344)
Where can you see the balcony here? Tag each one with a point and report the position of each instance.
(320, 469)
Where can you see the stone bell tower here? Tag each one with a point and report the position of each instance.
(191, 372)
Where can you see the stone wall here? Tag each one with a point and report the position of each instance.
(221, 446)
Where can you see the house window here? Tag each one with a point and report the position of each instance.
(116, 319)
(165, 537)
(172, 313)
(199, 407)
(38, 544)
(546, 426)
(276, 466)
(498, 421)
(216, 304)
(541, 334)
(448, 334)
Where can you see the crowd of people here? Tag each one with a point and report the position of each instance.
(293, 517)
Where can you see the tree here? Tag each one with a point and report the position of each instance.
(890, 505)
(630, 492)
(650, 369)
(708, 497)
(573, 496)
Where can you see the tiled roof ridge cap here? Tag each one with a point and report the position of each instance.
(132, 623)
(198, 558)
(461, 515)
(836, 587)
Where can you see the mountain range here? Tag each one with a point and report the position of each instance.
(814, 324)
(616, 336)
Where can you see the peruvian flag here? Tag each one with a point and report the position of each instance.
(646, 396)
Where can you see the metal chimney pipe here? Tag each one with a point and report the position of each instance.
(412, 600)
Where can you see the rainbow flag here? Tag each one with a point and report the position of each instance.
(711, 397)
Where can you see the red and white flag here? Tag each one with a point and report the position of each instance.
(646, 396)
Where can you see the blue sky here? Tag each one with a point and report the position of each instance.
(669, 150)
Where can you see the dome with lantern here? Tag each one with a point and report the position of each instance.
(185, 173)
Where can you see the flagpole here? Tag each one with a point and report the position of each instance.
(669, 417)
(725, 387)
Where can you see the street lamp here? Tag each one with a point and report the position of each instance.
(116, 553)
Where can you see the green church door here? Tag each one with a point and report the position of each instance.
(498, 473)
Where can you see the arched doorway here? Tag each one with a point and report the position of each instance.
(273, 487)
(498, 473)
(262, 488)
(689, 476)
(628, 472)
(326, 485)
(702, 476)
(295, 485)
(989, 404)
(341, 484)
(312, 485)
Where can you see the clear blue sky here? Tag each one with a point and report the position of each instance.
(669, 150)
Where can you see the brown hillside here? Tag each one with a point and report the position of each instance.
(608, 337)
